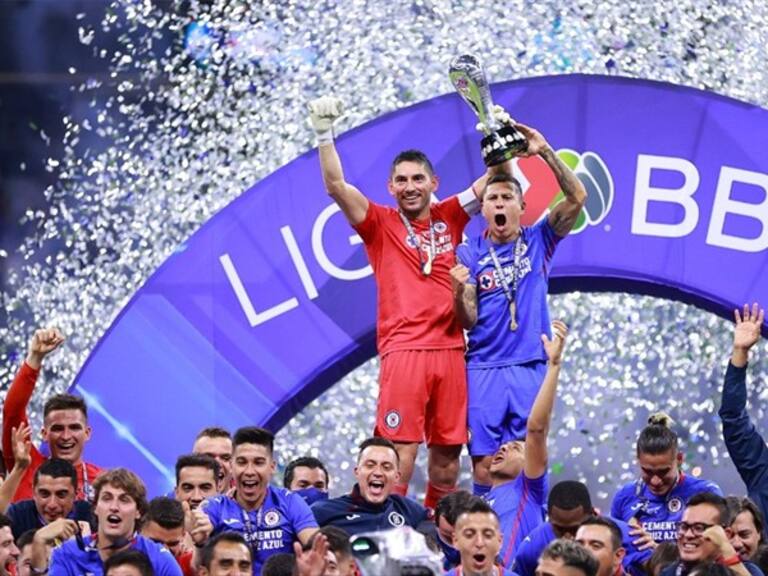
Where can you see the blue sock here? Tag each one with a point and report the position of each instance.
(480, 489)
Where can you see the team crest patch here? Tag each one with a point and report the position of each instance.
(440, 226)
(396, 519)
(392, 419)
(272, 518)
(675, 505)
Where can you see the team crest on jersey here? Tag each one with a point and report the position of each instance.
(675, 505)
(392, 419)
(396, 519)
(440, 226)
(272, 518)
(485, 280)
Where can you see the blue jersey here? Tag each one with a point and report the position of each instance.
(356, 515)
(487, 347)
(69, 560)
(451, 556)
(530, 550)
(24, 515)
(270, 529)
(519, 504)
(658, 515)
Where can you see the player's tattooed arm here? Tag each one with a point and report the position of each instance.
(464, 296)
(563, 216)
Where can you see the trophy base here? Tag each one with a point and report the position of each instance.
(502, 145)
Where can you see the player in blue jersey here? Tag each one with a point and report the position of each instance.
(518, 469)
(656, 500)
(372, 505)
(569, 505)
(745, 445)
(121, 500)
(477, 537)
(271, 519)
(54, 489)
(500, 286)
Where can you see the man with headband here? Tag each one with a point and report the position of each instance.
(500, 286)
(422, 382)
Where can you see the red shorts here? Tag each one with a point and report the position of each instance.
(423, 395)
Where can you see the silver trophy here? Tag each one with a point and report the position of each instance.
(502, 142)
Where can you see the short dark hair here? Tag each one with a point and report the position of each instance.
(165, 512)
(126, 480)
(280, 564)
(738, 504)
(213, 432)
(664, 554)
(616, 537)
(307, 462)
(199, 461)
(338, 541)
(5, 521)
(476, 505)
(377, 441)
(65, 402)
(714, 500)
(412, 155)
(254, 435)
(56, 468)
(569, 495)
(451, 505)
(573, 555)
(206, 554)
(26, 538)
(130, 557)
(504, 178)
(657, 437)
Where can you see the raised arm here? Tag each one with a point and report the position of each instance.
(745, 444)
(563, 216)
(541, 412)
(22, 448)
(323, 112)
(42, 343)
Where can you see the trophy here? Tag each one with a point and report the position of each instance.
(502, 142)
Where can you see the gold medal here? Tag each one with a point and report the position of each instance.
(512, 314)
(427, 268)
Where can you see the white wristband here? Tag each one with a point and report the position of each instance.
(324, 137)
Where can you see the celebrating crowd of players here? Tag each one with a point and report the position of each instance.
(63, 515)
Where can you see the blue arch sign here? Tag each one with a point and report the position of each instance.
(272, 300)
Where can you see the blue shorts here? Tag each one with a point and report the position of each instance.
(499, 402)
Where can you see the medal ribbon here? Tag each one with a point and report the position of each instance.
(426, 267)
(509, 292)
